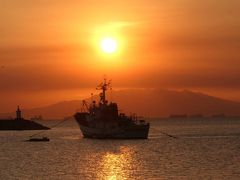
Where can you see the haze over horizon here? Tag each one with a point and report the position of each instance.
(49, 50)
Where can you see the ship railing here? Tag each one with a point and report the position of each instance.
(134, 117)
(142, 122)
(138, 120)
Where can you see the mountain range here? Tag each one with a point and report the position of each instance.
(145, 102)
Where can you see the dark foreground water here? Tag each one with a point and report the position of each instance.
(204, 149)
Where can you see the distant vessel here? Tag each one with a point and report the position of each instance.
(103, 121)
(178, 116)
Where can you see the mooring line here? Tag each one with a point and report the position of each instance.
(169, 135)
(50, 128)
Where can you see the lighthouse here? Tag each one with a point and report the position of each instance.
(18, 114)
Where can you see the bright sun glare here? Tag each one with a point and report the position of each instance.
(109, 45)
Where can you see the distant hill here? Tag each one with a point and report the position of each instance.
(151, 103)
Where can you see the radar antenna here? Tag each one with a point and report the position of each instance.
(104, 86)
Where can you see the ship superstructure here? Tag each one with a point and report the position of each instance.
(102, 120)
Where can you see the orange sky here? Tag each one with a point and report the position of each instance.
(49, 50)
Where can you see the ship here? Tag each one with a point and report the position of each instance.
(102, 120)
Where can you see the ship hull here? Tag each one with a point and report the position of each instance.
(136, 132)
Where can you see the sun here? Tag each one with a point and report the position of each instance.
(109, 45)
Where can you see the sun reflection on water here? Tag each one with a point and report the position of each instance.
(114, 165)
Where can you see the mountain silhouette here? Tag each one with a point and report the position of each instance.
(145, 102)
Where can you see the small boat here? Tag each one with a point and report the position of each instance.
(39, 139)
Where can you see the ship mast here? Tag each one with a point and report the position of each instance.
(104, 87)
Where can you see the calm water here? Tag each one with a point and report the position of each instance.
(204, 149)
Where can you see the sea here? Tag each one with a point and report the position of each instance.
(197, 148)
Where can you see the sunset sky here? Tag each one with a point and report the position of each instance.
(50, 49)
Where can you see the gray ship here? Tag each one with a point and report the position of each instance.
(103, 121)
